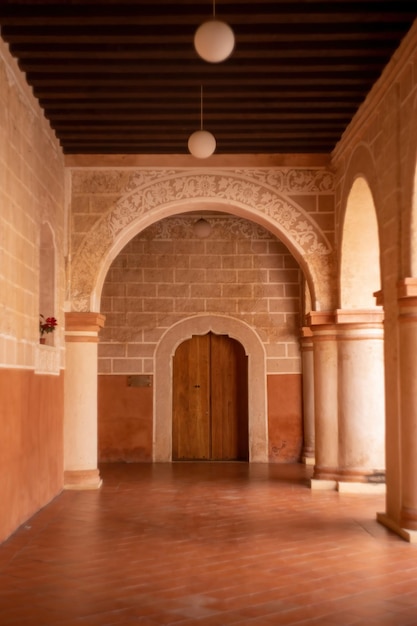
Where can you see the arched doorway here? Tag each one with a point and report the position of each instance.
(210, 400)
(256, 364)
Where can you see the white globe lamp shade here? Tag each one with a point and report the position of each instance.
(202, 228)
(214, 41)
(201, 144)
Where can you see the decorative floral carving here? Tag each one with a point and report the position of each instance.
(292, 180)
(261, 191)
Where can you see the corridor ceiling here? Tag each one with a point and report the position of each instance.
(122, 76)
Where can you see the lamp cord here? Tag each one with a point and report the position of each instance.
(201, 107)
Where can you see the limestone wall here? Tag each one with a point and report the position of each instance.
(31, 202)
(166, 273)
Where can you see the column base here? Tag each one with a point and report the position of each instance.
(359, 475)
(408, 518)
(308, 460)
(308, 456)
(323, 485)
(82, 479)
(326, 473)
(404, 533)
(361, 487)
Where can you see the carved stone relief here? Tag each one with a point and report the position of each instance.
(258, 192)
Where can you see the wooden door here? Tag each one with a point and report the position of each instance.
(210, 400)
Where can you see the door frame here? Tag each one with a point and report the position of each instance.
(257, 392)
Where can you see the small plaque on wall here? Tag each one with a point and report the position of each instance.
(139, 380)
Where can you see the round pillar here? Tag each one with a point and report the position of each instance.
(325, 400)
(361, 397)
(80, 404)
(307, 360)
(408, 403)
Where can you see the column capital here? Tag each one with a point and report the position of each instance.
(379, 297)
(407, 288)
(407, 300)
(83, 326)
(360, 317)
(306, 339)
(320, 318)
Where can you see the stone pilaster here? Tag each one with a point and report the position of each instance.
(407, 302)
(80, 409)
(308, 395)
(325, 400)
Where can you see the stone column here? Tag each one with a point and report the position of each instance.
(407, 301)
(307, 360)
(80, 404)
(325, 400)
(361, 399)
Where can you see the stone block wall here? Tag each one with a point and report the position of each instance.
(166, 273)
(31, 193)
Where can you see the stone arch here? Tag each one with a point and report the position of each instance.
(409, 244)
(360, 275)
(257, 395)
(262, 196)
(359, 262)
(47, 278)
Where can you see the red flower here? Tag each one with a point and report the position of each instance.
(47, 325)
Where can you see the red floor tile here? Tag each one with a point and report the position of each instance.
(210, 544)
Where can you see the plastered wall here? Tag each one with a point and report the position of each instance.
(31, 382)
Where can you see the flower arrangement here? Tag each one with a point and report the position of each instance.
(47, 324)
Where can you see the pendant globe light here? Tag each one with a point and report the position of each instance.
(214, 40)
(201, 143)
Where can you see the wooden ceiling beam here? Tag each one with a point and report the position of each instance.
(116, 76)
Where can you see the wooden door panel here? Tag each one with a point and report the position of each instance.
(210, 400)
(223, 399)
(191, 400)
(242, 403)
(228, 399)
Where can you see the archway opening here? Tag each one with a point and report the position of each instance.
(240, 274)
(413, 246)
(360, 345)
(360, 275)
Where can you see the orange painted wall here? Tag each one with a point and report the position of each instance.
(125, 417)
(285, 422)
(124, 420)
(31, 444)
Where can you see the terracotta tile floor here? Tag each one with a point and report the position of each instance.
(210, 545)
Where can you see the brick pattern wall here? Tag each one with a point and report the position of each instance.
(166, 273)
(31, 192)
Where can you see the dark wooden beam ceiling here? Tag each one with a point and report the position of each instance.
(122, 77)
